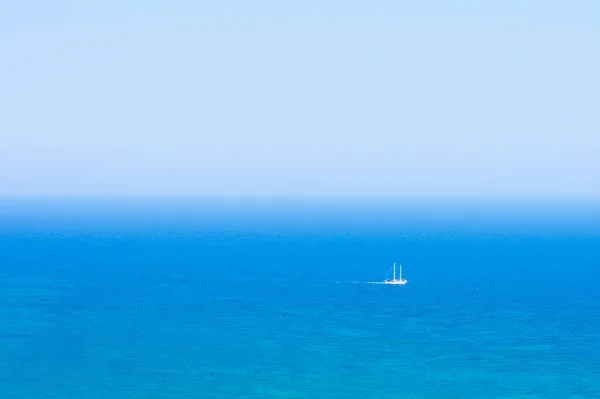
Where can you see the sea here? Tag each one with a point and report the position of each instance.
(195, 298)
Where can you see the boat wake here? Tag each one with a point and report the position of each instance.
(393, 281)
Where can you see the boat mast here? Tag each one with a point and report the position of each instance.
(394, 271)
(400, 268)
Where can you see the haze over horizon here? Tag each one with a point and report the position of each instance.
(386, 99)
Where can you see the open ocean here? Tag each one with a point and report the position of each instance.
(176, 299)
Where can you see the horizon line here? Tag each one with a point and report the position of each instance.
(313, 198)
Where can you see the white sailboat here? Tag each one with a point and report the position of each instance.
(396, 281)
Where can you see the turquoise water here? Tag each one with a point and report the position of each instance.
(100, 302)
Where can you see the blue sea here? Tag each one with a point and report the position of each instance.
(216, 299)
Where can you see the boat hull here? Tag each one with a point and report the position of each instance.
(395, 282)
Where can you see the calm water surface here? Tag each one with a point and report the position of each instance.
(93, 306)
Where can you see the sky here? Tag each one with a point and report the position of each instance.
(383, 98)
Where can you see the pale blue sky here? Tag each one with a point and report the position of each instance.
(307, 98)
